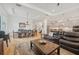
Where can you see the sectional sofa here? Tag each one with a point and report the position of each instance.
(67, 40)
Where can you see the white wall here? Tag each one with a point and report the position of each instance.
(69, 19)
(13, 23)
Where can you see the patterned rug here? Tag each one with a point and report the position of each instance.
(23, 49)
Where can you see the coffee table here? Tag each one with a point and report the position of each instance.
(45, 49)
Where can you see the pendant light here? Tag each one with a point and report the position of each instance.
(27, 19)
(58, 4)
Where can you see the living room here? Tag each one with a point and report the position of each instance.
(39, 28)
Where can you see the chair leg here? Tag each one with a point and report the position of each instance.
(9, 39)
(7, 42)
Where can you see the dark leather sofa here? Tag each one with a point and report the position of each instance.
(54, 38)
(67, 40)
(70, 41)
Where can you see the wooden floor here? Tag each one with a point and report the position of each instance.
(10, 49)
(14, 41)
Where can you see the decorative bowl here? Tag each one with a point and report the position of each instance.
(42, 42)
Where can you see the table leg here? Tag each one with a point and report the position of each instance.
(58, 51)
(31, 45)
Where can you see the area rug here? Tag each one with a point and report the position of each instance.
(23, 49)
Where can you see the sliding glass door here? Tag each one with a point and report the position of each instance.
(2, 23)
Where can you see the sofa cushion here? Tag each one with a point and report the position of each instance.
(47, 37)
(70, 39)
(71, 34)
(69, 43)
(76, 51)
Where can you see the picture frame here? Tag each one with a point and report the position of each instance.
(22, 25)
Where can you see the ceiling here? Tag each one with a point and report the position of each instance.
(38, 10)
(53, 8)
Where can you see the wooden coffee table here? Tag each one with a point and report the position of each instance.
(46, 49)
